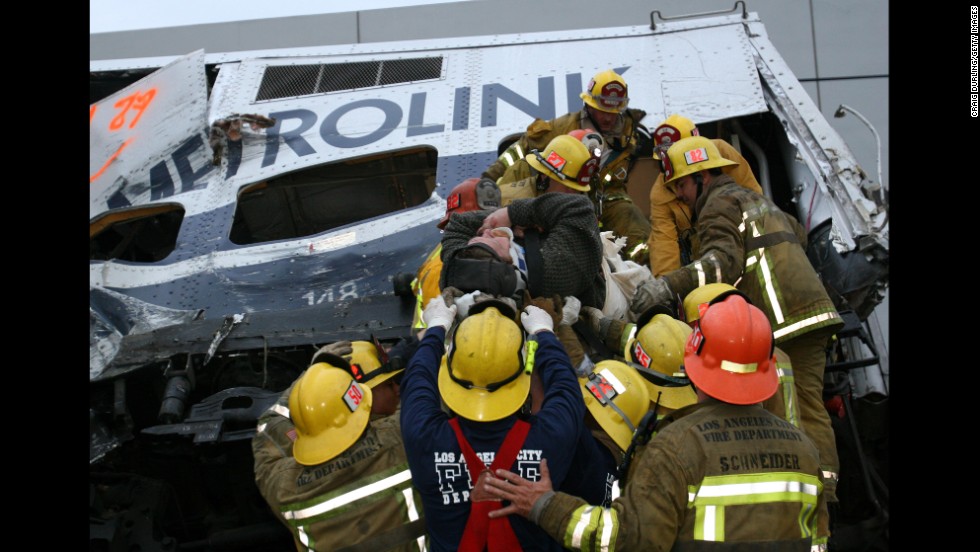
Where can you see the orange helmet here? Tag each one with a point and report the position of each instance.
(470, 195)
(592, 140)
(731, 353)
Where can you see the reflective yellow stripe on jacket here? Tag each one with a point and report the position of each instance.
(592, 528)
(788, 383)
(426, 284)
(716, 492)
(393, 483)
(512, 155)
(760, 259)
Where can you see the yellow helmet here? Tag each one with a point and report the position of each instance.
(657, 353)
(674, 129)
(701, 295)
(566, 160)
(482, 375)
(367, 365)
(607, 92)
(691, 155)
(330, 411)
(616, 399)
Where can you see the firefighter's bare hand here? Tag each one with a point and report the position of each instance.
(521, 493)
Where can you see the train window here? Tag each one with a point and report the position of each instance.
(328, 196)
(143, 235)
(290, 81)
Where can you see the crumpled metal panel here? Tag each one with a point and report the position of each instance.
(136, 127)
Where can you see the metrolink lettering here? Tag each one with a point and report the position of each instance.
(765, 460)
(298, 129)
(307, 132)
(191, 159)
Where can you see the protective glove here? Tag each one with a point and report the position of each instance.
(464, 302)
(593, 317)
(569, 313)
(438, 313)
(551, 305)
(338, 348)
(607, 329)
(651, 293)
(449, 293)
(535, 319)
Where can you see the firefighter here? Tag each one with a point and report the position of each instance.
(657, 353)
(744, 237)
(616, 400)
(783, 402)
(471, 194)
(562, 166)
(484, 380)
(654, 345)
(672, 237)
(722, 473)
(605, 110)
(331, 464)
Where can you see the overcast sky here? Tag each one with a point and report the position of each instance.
(124, 15)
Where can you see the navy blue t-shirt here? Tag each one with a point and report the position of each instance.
(438, 468)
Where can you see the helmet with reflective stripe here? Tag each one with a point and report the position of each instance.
(482, 376)
(329, 409)
(702, 296)
(470, 195)
(607, 92)
(731, 353)
(566, 160)
(657, 353)
(691, 155)
(674, 129)
(616, 398)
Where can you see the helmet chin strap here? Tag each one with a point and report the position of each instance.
(699, 182)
